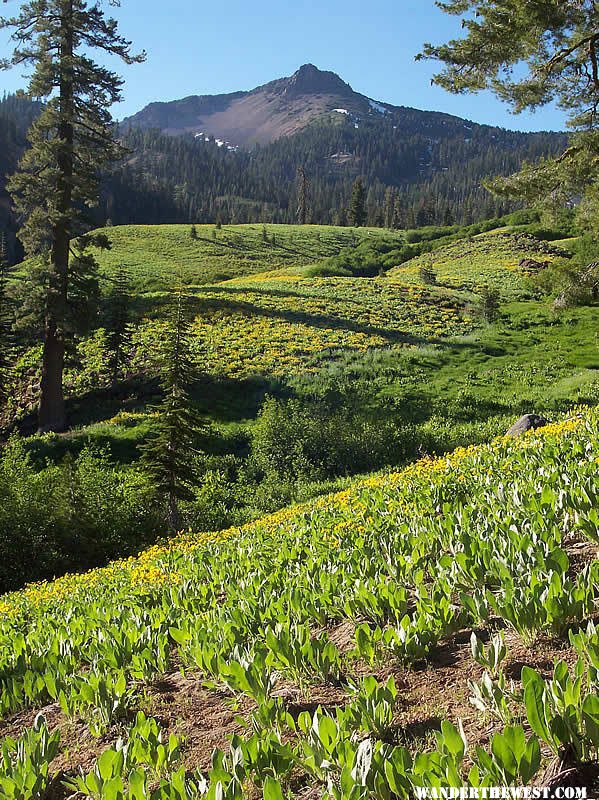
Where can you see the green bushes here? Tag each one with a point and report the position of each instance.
(319, 439)
(70, 516)
(84, 510)
(369, 256)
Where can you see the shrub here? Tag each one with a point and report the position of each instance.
(427, 275)
(319, 439)
(220, 497)
(490, 300)
(71, 516)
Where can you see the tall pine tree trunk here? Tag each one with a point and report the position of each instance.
(173, 514)
(52, 413)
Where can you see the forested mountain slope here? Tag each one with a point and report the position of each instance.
(419, 167)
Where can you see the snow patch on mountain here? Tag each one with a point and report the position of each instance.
(378, 107)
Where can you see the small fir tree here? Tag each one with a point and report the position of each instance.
(398, 214)
(427, 274)
(448, 217)
(389, 207)
(357, 206)
(169, 452)
(490, 301)
(302, 196)
(118, 324)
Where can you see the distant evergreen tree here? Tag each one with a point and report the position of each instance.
(398, 214)
(119, 320)
(340, 218)
(4, 257)
(71, 141)
(194, 232)
(490, 303)
(389, 208)
(168, 454)
(357, 205)
(427, 274)
(302, 196)
(448, 219)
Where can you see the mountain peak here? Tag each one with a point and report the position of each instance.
(310, 80)
(279, 108)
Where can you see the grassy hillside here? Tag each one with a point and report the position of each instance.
(491, 259)
(155, 255)
(417, 352)
(303, 382)
(368, 645)
(284, 324)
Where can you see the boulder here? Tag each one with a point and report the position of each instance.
(531, 265)
(527, 423)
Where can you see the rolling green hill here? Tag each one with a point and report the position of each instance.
(491, 259)
(369, 645)
(156, 255)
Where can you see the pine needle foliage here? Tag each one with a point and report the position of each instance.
(118, 324)
(7, 341)
(169, 453)
(71, 142)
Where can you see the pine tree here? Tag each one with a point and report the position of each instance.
(168, 454)
(357, 205)
(6, 322)
(194, 232)
(427, 274)
(71, 142)
(490, 302)
(389, 208)
(302, 196)
(398, 214)
(118, 322)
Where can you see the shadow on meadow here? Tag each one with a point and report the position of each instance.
(220, 400)
(310, 319)
(242, 245)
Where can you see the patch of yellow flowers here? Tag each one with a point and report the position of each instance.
(152, 570)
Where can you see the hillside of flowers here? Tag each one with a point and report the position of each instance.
(277, 325)
(492, 259)
(310, 634)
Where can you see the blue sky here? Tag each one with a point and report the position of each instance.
(208, 48)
